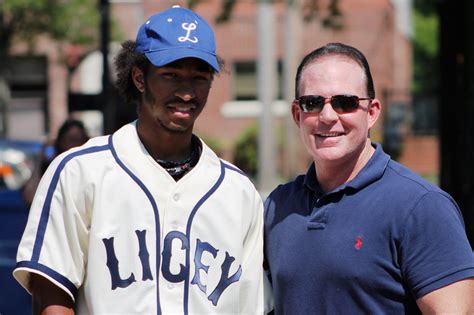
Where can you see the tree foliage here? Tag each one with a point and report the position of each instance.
(311, 9)
(75, 21)
(425, 48)
(245, 151)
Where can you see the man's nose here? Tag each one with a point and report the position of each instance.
(328, 114)
(186, 90)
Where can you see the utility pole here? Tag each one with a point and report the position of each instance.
(266, 79)
(292, 40)
(108, 106)
(4, 99)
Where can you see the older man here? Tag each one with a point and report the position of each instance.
(360, 233)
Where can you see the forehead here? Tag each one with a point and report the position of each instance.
(193, 64)
(333, 74)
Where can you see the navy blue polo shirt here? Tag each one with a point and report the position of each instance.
(372, 245)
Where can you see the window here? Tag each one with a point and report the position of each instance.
(425, 115)
(245, 81)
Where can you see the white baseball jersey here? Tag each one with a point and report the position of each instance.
(114, 230)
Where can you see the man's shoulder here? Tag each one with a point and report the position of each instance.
(289, 193)
(211, 157)
(234, 173)
(290, 187)
(407, 190)
(93, 145)
(401, 176)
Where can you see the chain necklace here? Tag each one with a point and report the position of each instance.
(178, 169)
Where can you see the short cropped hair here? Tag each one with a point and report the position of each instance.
(336, 49)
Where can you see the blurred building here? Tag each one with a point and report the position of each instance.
(380, 28)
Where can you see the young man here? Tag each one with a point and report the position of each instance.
(148, 220)
(360, 233)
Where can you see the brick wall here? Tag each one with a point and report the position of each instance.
(368, 25)
(421, 154)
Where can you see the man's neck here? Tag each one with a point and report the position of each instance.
(165, 145)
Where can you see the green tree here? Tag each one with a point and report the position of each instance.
(425, 49)
(74, 21)
(246, 146)
(245, 151)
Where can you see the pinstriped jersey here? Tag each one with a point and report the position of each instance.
(114, 230)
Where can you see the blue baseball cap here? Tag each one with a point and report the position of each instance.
(174, 34)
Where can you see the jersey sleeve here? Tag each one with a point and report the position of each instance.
(54, 243)
(252, 295)
(435, 251)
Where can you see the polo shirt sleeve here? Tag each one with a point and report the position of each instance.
(435, 251)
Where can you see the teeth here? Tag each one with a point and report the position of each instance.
(329, 134)
(183, 109)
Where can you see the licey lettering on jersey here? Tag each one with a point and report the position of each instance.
(183, 275)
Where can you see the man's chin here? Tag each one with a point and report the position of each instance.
(174, 128)
(328, 154)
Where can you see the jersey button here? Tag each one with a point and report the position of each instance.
(176, 197)
(174, 225)
(170, 286)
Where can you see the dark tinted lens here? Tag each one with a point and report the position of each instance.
(345, 103)
(311, 103)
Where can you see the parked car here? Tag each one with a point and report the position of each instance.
(17, 159)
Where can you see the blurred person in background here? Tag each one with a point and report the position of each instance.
(72, 133)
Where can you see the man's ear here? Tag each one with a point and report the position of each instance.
(296, 112)
(373, 112)
(138, 79)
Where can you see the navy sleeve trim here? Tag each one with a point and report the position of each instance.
(445, 281)
(51, 273)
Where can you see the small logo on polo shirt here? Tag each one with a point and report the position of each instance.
(358, 243)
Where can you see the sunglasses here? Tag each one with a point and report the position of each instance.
(340, 103)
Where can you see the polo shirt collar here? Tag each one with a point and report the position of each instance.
(310, 180)
(370, 173)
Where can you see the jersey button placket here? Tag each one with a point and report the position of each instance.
(175, 223)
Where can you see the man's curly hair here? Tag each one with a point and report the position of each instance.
(126, 59)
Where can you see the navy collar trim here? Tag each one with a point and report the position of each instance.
(370, 173)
